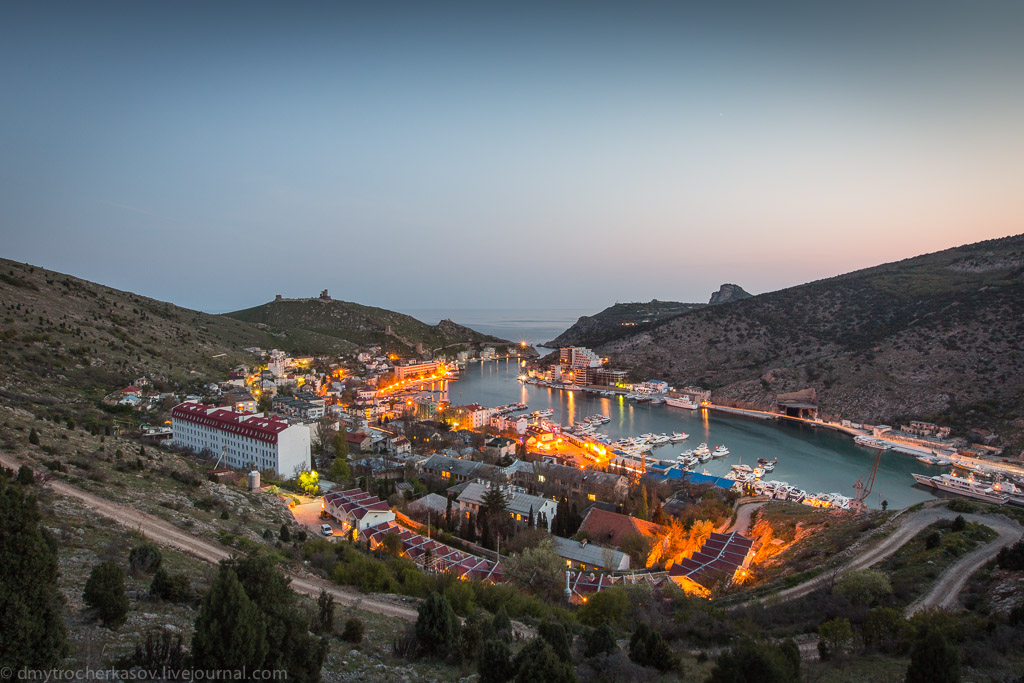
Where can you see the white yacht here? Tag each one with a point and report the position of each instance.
(964, 487)
(720, 452)
(684, 402)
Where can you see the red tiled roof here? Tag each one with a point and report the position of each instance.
(611, 528)
(261, 428)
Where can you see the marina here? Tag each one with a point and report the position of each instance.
(808, 458)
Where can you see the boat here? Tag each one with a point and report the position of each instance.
(743, 469)
(870, 442)
(684, 402)
(679, 436)
(720, 452)
(963, 486)
(766, 464)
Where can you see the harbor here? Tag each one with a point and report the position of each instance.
(811, 458)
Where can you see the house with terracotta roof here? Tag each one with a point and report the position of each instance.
(357, 509)
(613, 529)
(722, 559)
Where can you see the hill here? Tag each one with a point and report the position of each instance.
(360, 325)
(935, 337)
(622, 320)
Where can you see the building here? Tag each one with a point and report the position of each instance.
(412, 369)
(242, 440)
(379, 468)
(357, 509)
(561, 481)
(611, 528)
(447, 470)
(520, 505)
(610, 378)
(652, 386)
(298, 407)
(239, 401)
(358, 442)
(579, 357)
(722, 559)
(584, 555)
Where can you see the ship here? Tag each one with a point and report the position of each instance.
(684, 402)
(963, 487)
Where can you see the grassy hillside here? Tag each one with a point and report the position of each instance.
(359, 324)
(62, 337)
(939, 336)
(618, 321)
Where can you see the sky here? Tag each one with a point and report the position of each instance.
(534, 155)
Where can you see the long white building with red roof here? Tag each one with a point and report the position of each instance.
(269, 443)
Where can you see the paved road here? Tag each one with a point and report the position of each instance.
(165, 533)
(948, 586)
(744, 514)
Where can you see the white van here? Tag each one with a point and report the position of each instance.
(326, 530)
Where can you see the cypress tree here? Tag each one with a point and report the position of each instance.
(601, 639)
(493, 662)
(104, 592)
(437, 627)
(33, 437)
(555, 635)
(33, 634)
(229, 633)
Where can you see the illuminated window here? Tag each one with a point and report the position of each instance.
(519, 518)
(590, 496)
(540, 478)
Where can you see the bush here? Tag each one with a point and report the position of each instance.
(33, 437)
(834, 635)
(144, 558)
(601, 640)
(1011, 557)
(538, 662)
(285, 534)
(171, 587)
(864, 587)
(607, 607)
(933, 660)
(763, 662)
(959, 524)
(932, 540)
(104, 592)
(501, 625)
(555, 635)
(25, 476)
(353, 631)
(648, 648)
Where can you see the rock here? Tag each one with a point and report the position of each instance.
(728, 292)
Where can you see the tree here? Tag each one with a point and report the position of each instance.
(538, 568)
(959, 524)
(290, 646)
(230, 633)
(555, 635)
(104, 592)
(834, 635)
(647, 647)
(353, 631)
(392, 543)
(340, 471)
(324, 612)
(659, 515)
(340, 445)
(145, 558)
(607, 607)
(496, 510)
(601, 640)
(501, 625)
(25, 476)
(933, 659)
(309, 482)
(882, 629)
(863, 587)
(33, 437)
(493, 662)
(885, 505)
(285, 534)
(437, 627)
(643, 511)
(34, 635)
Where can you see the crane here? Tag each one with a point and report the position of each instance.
(862, 491)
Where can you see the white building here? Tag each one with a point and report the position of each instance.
(518, 503)
(356, 509)
(579, 357)
(243, 440)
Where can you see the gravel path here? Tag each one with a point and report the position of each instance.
(167, 534)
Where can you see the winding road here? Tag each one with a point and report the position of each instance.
(947, 587)
(167, 534)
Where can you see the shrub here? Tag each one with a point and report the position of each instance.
(501, 625)
(324, 613)
(555, 635)
(285, 534)
(933, 540)
(1011, 557)
(538, 662)
(171, 587)
(25, 476)
(863, 587)
(933, 660)
(606, 607)
(493, 663)
(763, 662)
(33, 437)
(353, 631)
(144, 558)
(104, 592)
(959, 524)
(834, 635)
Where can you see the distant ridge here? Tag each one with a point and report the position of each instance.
(937, 337)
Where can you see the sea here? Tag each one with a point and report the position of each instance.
(813, 459)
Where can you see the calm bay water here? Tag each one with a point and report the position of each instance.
(813, 459)
(514, 324)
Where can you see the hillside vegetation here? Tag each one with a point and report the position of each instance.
(358, 324)
(939, 337)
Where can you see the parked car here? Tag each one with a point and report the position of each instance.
(326, 530)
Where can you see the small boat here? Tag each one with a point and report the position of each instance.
(743, 469)
(720, 452)
(678, 436)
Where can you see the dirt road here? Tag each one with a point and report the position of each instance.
(167, 534)
(948, 586)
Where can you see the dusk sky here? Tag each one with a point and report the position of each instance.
(429, 155)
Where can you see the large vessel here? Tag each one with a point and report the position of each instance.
(963, 487)
(684, 402)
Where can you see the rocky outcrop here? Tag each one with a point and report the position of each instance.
(728, 292)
